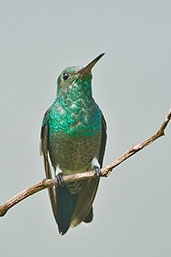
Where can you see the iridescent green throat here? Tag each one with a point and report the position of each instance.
(74, 111)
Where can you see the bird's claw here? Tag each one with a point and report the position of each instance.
(59, 180)
(96, 170)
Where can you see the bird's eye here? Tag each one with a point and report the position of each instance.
(65, 76)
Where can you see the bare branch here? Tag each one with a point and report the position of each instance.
(105, 172)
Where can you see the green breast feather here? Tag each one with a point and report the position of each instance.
(74, 112)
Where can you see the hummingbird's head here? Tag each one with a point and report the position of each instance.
(76, 80)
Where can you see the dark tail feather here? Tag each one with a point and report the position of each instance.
(89, 217)
(64, 208)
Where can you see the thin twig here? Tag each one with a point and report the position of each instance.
(105, 172)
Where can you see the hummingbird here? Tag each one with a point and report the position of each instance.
(73, 140)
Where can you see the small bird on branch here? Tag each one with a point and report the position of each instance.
(73, 136)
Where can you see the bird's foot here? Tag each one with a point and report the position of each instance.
(97, 170)
(96, 166)
(59, 180)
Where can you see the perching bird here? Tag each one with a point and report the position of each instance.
(73, 136)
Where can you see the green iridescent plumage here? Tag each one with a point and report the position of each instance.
(74, 111)
(74, 135)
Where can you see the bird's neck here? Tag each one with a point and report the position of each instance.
(79, 89)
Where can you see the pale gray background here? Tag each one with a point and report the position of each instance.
(132, 85)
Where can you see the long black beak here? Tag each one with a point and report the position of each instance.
(88, 68)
